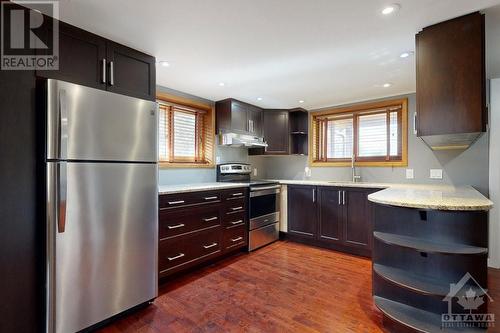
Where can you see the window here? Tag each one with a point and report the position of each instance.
(185, 135)
(374, 134)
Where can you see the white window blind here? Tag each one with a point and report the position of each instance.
(163, 134)
(184, 135)
(339, 138)
(372, 135)
(394, 134)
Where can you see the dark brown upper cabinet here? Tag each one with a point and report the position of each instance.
(234, 116)
(451, 94)
(285, 132)
(93, 61)
(131, 72)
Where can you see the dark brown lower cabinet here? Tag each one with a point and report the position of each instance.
(197, 227)
(339, 218)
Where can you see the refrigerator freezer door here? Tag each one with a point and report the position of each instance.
(104, 261)
(94, 125)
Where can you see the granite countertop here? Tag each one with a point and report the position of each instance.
(183, 188)
(424, 196)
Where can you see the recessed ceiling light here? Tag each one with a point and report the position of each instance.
(391, 9)
(222, 84)
(164, 63)
(406, 54)
(386, 85)
(259, 98)
(301, 101)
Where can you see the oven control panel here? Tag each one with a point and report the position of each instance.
(235, 168)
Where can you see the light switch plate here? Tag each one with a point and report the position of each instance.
(436, 174)
(409, 174)
(307, 171)
(255, 172)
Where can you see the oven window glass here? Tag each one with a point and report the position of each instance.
(263, 205)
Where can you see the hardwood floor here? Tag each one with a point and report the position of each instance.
(285, 287)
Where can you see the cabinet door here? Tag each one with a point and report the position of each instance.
(276, 131)
(255, 121)
(330, 214)
(302, 214)
(130, 72)
(81, 58)
(451, 77)
(239, 119)
(357, 218)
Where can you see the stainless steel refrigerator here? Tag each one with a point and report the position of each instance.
(102, 199)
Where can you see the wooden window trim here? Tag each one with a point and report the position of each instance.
(208, 131)
(360, 109)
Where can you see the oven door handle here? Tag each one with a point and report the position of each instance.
(262, 192)
(265, 188)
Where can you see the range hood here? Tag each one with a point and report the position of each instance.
(460, 141)
(241, 140)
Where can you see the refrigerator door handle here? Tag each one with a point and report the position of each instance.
(62, 124)
(61, 186)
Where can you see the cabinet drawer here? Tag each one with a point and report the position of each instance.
(236, 219)
(234, 194)
(235, 237)
(180, 251)
(169, 201)
(181, 221)
(235, 206)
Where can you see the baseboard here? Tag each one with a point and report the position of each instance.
(493, 263)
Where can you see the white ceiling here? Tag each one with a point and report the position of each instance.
(325, 52)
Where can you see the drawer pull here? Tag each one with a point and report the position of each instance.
(236, 239)
(236, 208)
(210, 246)
(176, 202)
(176, 257)
(239, 194)
(211, 198)
(210, 219)
(237, 222)
(176, 226)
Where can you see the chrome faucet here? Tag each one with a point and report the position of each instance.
(355, 177)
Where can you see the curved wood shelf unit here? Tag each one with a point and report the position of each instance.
(423, 245)
(417, 283)
(416, 319)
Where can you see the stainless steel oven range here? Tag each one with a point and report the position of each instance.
(264, 203)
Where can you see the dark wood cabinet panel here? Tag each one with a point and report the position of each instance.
(451, 77)
(238, 117)
(81, 58)
(196, 227)
(302, 213)
(255, 121)
(358, 218)
(331, 214)
(276, 132)
(131, 72)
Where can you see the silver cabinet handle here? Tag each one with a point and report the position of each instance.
(239, 194)
(237, 222)
(180, 255)
(236, 208)
(314, 195)
(103, 71)
(111, 73)
(176, 226)
(211, 198)
(210, 246)
(343, 197)
(176, 202)
(415, 123)
(339, 198)
(210, 219)
(236, 239)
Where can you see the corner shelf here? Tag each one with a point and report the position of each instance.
(423, 245)
(416, 319)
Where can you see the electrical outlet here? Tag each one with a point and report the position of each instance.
(255, 172)
(217, 159)
(307, 171)
(436, 174)
(409, 174)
